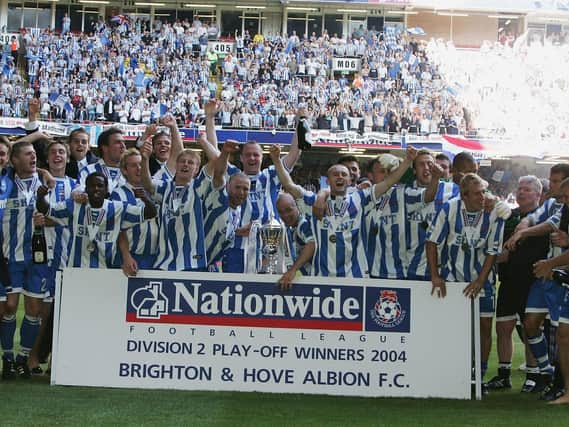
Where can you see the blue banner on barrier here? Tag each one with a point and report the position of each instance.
(230, 303)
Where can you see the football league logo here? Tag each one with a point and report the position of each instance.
(149, 301)
(387, 311)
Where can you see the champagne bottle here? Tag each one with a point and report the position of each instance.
(39, 246)
(303, 133)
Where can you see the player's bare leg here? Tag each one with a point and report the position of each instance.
(563, 342)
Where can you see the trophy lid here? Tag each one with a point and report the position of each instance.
(272, 224)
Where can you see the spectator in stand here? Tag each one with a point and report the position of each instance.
(80, 154)
(131, 73)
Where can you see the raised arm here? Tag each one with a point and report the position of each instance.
(220, 165)
(284, 176)
(176, 145)
(392, 179)
(145, 152)
(33, 110)
(290, 159)
(431, 191)
(149, 207)
(211, 109)
(42, 204)
(211, 153)
(47, 178)
(149, 132)
(35, 136)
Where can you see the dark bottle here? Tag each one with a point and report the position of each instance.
(39, 246)
(303, 133)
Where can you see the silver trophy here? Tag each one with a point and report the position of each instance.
(271, 247)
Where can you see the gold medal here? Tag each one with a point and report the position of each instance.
(332, 238)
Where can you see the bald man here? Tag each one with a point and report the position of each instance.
(299, 240)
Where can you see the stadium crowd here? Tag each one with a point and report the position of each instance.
(507, 90)
(131, 74)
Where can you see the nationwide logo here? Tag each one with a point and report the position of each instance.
(149, 301)
(388, 309)
(251, 304)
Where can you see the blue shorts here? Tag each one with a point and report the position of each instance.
(545, 296)
(145, 262)
(487, 300)
(52, 270)
(4, 273)
(564, 307)
(233, 261)
(28, 278)
(2, 293)
(416, 278)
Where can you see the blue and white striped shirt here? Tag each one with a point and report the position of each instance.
(163, 174)
(296, 238)
(259, 207)
(339, 241)
(94, 231)
(57, 237)
(181, 245)
(418, 222)
(114, 175)
(385, 231)
(5, 190)
(220, 223)
(142, 238)
(555, 221)
(17, 221)
(549, 212)
(466, 239)
(549, 208)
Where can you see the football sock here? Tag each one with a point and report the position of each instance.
(538, 347)
(7, 332)
(504, 370)
(28, 334)
(552, 341)
(483, 368)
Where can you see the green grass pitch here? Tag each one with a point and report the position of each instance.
(34, 402)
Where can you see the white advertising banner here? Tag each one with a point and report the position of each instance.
(53, 128)
(349, 65)
(213, 331)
